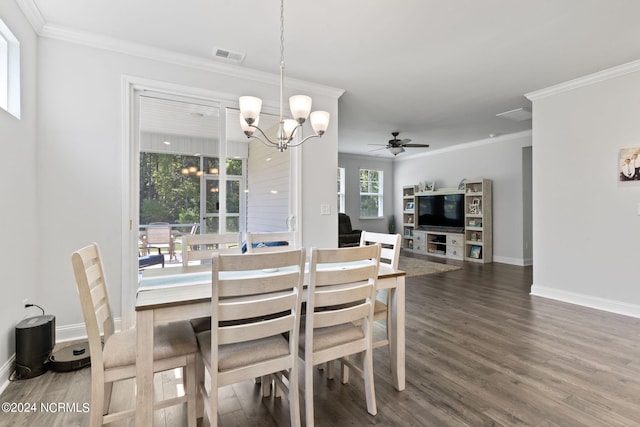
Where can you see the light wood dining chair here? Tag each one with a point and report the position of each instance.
(339, 317)
(271, 241)
(175, 344)
(389, 254)
(201, 247)
(256, 301)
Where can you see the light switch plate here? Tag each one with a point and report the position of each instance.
(325, 209)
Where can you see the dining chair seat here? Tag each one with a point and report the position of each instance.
(170, 340)
(380, 310)
(333, 336)
(233, 356)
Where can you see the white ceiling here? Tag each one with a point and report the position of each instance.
(437, 70)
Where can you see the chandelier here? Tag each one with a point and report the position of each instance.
(300, 106)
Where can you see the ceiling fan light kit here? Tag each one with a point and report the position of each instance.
(300, 106)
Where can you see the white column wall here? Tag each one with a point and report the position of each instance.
(586, 223)
(18, 191)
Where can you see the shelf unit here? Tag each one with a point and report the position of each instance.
(478, 221)
(408, 216)
(474, 244)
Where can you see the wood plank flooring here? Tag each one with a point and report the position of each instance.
(480, 352)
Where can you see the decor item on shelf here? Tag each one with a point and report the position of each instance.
(426, 186)
(409, 206)
(475, 252)
(300, 106)
(461, 185)
(474, 207)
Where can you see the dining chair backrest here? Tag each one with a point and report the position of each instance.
(272, 241)
(341, 290)
(390, 246)
(201, 247)
(257, 286)
(94, 298)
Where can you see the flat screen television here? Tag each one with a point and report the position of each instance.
(441, 212)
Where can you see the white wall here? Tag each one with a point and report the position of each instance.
(80, 161)
(18, 188)
(352, 164)
(586, 223)
(498, 159)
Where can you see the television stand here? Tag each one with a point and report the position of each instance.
(441, 244)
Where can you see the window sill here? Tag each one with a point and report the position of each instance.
(371, 217)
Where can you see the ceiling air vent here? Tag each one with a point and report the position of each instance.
(228, 55)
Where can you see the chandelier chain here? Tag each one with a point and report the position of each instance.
(300, 110)
(281, 59)
(282, 33)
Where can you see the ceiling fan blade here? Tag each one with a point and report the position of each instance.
(378, 149)
(415, 145)
(404, 141)
(379, 145)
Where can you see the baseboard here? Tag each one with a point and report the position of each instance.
(78, 331)
(512, 261)
(70, 332)
(5, 373)
(590, 301)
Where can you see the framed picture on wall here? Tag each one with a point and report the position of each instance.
(629, 164)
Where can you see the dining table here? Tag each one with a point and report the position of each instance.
(183, 293)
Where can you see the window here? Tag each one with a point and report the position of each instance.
(9, 71)
(341, 207)
(371, 194)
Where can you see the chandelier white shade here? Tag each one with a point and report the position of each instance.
(300, 106)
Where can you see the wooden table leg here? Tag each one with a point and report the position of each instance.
(397, 337)
(144, 368)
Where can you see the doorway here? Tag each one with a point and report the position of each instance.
(201, 127)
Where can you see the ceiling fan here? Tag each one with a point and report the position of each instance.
(397, 146)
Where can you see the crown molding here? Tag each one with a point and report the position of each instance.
(93, 40)
(587, 80)
(32, 13)
(472, 144)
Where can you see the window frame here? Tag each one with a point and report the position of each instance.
(379, 194)
(9, 71)
(341, 190)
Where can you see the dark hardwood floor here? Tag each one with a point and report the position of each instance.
(480, 352)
